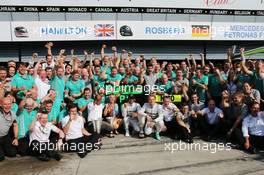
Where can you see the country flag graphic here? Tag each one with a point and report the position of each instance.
(104, 30)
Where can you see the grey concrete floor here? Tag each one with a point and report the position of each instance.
(130, 156)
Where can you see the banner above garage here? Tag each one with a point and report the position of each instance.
(129, 30)
(210, 7)
(138, 30)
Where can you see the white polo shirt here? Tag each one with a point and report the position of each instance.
(212, 117)
(168, 111)
(253, 125)
(95, 112)
(75, 129)
(42, 86)
(41, 133)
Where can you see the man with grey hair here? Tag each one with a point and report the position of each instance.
(8, 141)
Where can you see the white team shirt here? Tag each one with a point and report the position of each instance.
(41, 133)
(75, 129)
(43, 87)
(95, 112)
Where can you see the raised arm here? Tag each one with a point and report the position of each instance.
(219, 77)
(229, 55)
(243, 63)
(67, 126)
(36, 68)
(103, 51)
(193, 61)
(49, 45)
(103, 74)
(202, 59)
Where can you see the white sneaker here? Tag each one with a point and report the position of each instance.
(127, 134)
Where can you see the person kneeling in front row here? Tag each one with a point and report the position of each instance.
(150, 116)
(40, 145)
(78, 139)
(253, 129)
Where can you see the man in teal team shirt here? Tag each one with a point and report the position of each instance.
(22, 82)
(165, 85)
(75, 86)
(98, 78)
(52, 105)
(114, 78)
(57, 83)
(26, 115)
(216, 85)
(84, 100)
(199, 83)
(129, 78)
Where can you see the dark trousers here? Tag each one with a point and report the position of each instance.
(23, 146)
(211, 130)
(6, 147)
(174, 129)
(39, 148)
(171, 128)
(183, 133)
(257, 141)
(84, 144)
(237, 135)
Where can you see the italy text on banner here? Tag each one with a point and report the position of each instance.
(237, 31)
(150, 30)
(63, 30)
(5, 34)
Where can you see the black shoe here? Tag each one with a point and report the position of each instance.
(43, 157)
(208, 138)
(141, 135)
(174, 137)
(188, 140)
(236, 146)
(82, 155)
(252, 150)
(57, 156)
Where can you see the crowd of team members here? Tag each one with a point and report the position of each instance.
(51, 101)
